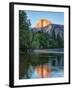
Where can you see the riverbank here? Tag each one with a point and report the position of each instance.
(55, 50)
(48, 51)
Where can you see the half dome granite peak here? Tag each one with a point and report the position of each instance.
(42, 23)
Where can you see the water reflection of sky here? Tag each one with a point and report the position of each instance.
(41, 66)
(46, 74)
(35, 75)
(52, 74)
(59, 73)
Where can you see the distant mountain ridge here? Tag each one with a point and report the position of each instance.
(56, 28)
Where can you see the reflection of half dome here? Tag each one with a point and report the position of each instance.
(43, 71)
(42, 23)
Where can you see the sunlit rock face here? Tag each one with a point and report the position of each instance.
(47, 26)
(43, 23)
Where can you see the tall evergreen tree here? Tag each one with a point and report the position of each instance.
(24, 31)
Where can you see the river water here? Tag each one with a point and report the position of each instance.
(41, 65)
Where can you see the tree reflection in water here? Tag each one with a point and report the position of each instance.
(41, 65)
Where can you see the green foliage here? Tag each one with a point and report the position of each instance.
(25, 35)
(44, 40)
(39, 40)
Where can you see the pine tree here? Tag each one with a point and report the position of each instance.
(24, 31)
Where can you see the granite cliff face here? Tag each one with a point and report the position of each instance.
(43, 23)
(46, 26)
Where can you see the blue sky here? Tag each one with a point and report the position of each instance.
(54, 17)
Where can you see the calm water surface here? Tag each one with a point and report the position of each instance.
(41, 65)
